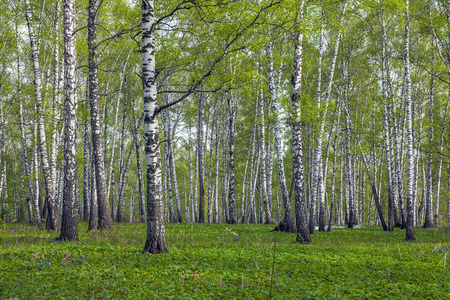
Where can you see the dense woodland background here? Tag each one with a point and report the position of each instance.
(227, 156)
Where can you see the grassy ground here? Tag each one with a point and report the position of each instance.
(222, 261)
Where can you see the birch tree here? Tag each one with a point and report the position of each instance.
(104, 212)
(69, 226)
(297, 142)
(408, 108)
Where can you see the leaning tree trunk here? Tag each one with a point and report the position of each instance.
(409, 187)
(104, 211)
(386, 130)
(25, 171)
(369, 174)
(303, 235)
(51, 223)
(156, 233)
(69, 226)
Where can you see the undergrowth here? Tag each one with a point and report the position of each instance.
(217, 261)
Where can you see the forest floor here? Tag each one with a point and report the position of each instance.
(218, 261)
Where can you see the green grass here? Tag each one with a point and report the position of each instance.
(212, 261)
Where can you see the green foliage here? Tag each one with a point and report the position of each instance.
(218, 261)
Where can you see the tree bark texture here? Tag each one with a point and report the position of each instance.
(104, 211)
(156, 233)
(303, 235)
(69, 226)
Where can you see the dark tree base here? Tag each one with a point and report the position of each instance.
(154, 248)
(283, 227)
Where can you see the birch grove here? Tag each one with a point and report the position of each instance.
(301, 115)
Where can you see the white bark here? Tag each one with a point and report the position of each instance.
(69, 226)
(156, 233)
(408, 107)
(297, 142)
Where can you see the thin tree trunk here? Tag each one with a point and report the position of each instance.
(333, 182)
(262, 170)
(201, 172)
(429, 191)
(167, 169)
(119, 215)
(121, 191)
(141, 185)
(216, 186)
(86, 172)
(93, 217)
(174, 172)
(231, 190)
(51, 223)
(438, 184)
(409, 188)
(104, 213)
(391, 221)
(369, 174)
(113, 146)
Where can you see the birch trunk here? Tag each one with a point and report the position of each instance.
(104, 211)
(303, 235)
(333, 193)
(51, 223)
(93, 217)
(210, 190)
(348, 176)
(201, 211)
(231, 190)
(438, 184)
(25, 170)
(156, 233)
(216, 186)
(119, 215)
(245, 181)
(270, 154)
(262, 170)
(86, 173)
(391, 220)
(167, 169)
(174, 172)
(369, 174)
(141, 185)
(288, 221)
(191, 180)
(429, 192)
(69, 226)
(409, 188)
(113, 147)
